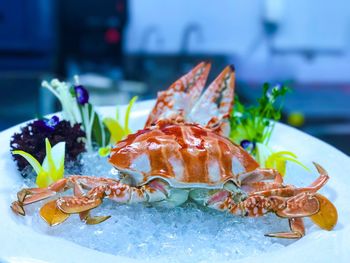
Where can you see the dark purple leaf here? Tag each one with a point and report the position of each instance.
(31, 139)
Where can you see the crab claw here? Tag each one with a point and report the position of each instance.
(92, 220)
(327, 216)
(218, 98)
(17, 207)
(21, 195)
(52, 214)
(180, 97)
(301, 205)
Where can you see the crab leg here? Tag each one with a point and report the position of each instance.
(31, 195)
(288, 202)
(303, 204)
(118, 192)
(289, 190)
(296, 226)
(82, 203)
(257, 180)
(293, 208)
(260, 174)
(217, 100)
(180, 97)
(85, 215)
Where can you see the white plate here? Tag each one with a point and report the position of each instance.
(20, 243)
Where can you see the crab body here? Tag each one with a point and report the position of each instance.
(183, 153)
(186, 156)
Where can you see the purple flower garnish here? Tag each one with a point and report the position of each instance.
(82, 94)
(248, 145)
(47, 124)
(52, 122)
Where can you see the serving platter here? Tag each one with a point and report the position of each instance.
(21, 243)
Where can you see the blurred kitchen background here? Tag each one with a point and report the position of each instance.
(124, 48)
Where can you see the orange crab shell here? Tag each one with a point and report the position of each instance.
(185, 155)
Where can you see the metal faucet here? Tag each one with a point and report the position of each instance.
(147, 35)
(144, 63)
(190, 29)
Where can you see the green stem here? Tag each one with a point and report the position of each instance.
(86, 124)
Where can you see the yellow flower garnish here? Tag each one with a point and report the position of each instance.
(52, 168)
(117, 131)
(278, 161)
(104, 151)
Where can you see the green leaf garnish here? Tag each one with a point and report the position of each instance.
(100, 132)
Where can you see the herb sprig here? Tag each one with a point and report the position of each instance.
(256, 123)
(252, 127)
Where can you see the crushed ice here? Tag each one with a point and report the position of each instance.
(183, 234)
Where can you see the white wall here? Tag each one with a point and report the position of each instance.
(234, 28)
(227, 26)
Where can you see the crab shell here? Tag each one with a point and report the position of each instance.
(185, 155)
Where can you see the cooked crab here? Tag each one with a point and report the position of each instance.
(183, 153)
